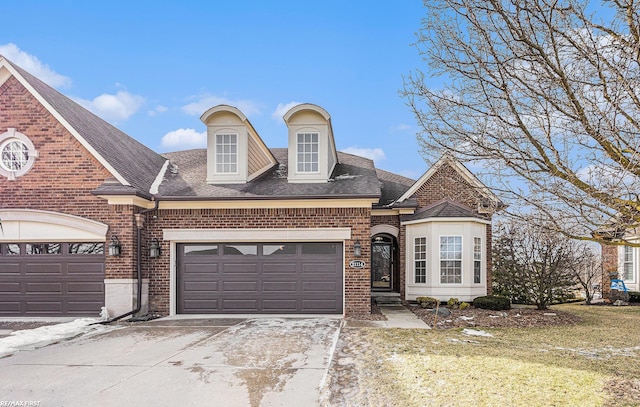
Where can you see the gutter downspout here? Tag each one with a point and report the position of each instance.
(139, 225)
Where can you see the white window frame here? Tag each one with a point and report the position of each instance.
(226, 161)
(420, 259)
(13, 136)
(628, 263)
(442, 259)
(306, 148)
(477, 259)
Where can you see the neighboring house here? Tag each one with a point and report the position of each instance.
(624, 261)
(237, 227)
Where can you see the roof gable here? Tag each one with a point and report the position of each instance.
(129, 161)
(461, 170)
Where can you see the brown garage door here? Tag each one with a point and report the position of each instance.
(266, 278)
(51, 279)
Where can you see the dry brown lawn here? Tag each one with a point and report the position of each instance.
(591, 360)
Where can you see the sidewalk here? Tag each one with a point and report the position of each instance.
(397, 317)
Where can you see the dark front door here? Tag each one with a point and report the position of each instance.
(382, 263)
(261, 278)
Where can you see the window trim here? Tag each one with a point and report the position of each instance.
(461, 260)
(313, 153)
(218, 154)
(631, 262)
(9, 136)
(422, 261)
(477, 260)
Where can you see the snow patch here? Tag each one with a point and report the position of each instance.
(475, 332)
(45, 335)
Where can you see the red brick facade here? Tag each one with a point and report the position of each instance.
(357, 281)
(63, 175)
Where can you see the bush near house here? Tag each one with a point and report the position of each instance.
(427, 302)
(492, 302)
(634, 296)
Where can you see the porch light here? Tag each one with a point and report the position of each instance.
(357, 249)
(154, 249)
(114, 247)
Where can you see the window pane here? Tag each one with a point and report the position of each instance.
(319, 248)
(240, 249)
(13, 248)
(201, 250)
(43, 248)
(278, 249)
(420, 263)
(450, 259)
(86, 248)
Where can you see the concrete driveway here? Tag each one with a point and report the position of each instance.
(181, 362)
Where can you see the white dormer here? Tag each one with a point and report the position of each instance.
(312, 149)
(235, 152)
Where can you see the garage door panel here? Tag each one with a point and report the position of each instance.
(232, 305)
(10, 307)
(280, 286)
(49, 269)
(44, 288)
(80, 307)
(85, 269)
(44, 307)
(319, 268)
(280, 306)
(279, 268)
(263, 282)
(8, 269)
(9, 288)
(242, 286)
(240, 268)
(319, 304)
(319, 286)
(200, 286)
(206, 268)
(85, 288)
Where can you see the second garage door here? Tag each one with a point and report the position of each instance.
(268, 278)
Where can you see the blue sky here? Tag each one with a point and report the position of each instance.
(152, 68)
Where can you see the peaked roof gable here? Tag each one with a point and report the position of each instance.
(129, 161)
(460, 169)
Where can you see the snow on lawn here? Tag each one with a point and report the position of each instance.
(45, 335)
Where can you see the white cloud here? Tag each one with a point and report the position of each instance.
(34, 66)
(157, 110)
(400, 128)
(281, 109)
(375, 154)
(207, 101)
(116, 107)
(188, 138)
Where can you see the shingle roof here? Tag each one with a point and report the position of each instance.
(392, 186)
(136, 163)
(186, 178)
(442, 209)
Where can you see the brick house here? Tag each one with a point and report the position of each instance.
(92, 218)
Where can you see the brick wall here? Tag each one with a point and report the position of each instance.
(610, 261)
(357, 281)
(63, 175)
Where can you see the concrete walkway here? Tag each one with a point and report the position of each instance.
(397, 317)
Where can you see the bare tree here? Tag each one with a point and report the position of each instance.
(542, 97)
(587, 267)
(533, 264)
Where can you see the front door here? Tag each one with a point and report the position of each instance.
(381, 263)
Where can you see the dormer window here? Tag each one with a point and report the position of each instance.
(227, 153)
(307, 152)
(312, 152)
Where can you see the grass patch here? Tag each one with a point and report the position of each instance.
(592, 363)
